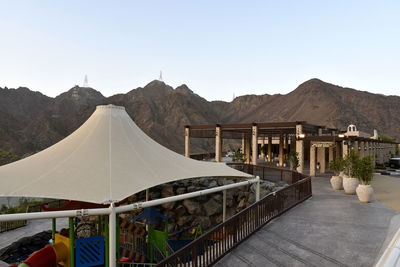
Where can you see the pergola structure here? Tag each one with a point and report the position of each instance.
(313, 143)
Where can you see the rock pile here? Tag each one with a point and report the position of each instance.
(206, 210)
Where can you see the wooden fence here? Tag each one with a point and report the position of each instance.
(6, 226)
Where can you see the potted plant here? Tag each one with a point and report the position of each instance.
(238, 157)
(350, 182)
(293, 160)
(365, 172)
(263, 150)
(337, 165)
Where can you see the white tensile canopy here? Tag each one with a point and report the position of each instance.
(106, 160)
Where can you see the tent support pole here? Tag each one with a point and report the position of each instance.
(71, 241)
(117, 231)
(112, 239)
(147, 194)
(107, 243)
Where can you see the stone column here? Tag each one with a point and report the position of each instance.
(247, 150)
(218, 144)
(380, 157)
(286, 141)
(262, 150)
(292, 146)
(286, 151)
(300, 148)
(312, 160)
(373, 153)
(280, 150)
(362, 148)
(338, 149)
(355, 146)
(254, 130)
(321, 159)
(331, 153)
(243, 144)
(270, 148)
(371, 148)
(187, 142)
(345, 148)
(387, 152)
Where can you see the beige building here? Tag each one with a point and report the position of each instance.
(316, 145)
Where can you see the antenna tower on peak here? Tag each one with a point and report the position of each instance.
(160, 78)
(86, 82)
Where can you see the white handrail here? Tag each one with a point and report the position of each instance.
(160, 201)
(114, 210)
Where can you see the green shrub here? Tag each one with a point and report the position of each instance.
(264, 149)
(238, 156)
(386, 139)
(7, 157)
(364, 170)
(293, 160)
(337, 165)
(350, 163)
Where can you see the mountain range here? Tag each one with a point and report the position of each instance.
(31, 121)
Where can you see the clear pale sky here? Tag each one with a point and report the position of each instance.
(218, 48)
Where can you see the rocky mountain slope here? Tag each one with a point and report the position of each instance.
(31, 121)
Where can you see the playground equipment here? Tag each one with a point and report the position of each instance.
(108, 226)
(132, 242)
(70, 252)
(192, 231)
(50, 255)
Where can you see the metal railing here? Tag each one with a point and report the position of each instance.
(51, 204)
(7, 226)
(11, 225)
(216, 243)
(204, 156)
(268, 173)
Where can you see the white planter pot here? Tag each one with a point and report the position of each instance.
(343, 175)
(350, 185)
(337, 183)
(365, 193)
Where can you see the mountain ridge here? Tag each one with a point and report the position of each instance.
(31, 121)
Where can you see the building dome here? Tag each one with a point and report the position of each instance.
(351, 128)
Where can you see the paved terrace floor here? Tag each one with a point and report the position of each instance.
(329, 229)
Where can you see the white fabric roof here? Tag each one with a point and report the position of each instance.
(107, 159)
